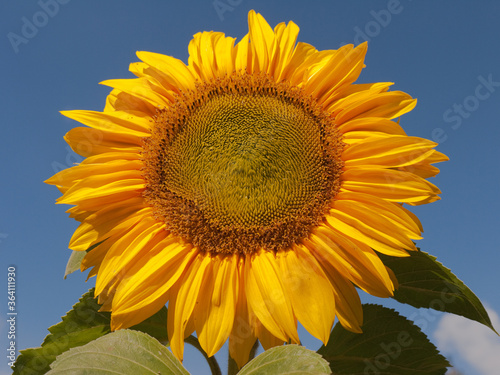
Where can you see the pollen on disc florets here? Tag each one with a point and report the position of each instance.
(242, 163)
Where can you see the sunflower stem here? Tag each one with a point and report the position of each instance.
(232, 367)
(212, 362)
(253, 351)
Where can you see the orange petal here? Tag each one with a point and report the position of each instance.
(266, 338)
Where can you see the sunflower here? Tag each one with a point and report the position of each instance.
(250, 189)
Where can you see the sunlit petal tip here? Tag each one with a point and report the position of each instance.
(361, 49)
(66, 113)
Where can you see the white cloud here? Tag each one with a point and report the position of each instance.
(474, 343)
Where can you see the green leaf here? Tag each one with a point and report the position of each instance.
(80, 326)
(424, 282)
(74, 261)
(389, 345)
(124, 352)
(155, 326)
(288, 359)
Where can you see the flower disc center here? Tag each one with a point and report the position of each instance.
(246, 161)
(240, 166)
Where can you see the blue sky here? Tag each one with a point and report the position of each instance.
(445, 54)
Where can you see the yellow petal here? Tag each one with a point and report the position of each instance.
(242, 54)
(118, 100)
(347, 302)
(225, 55)
(353, 259)
(152, 276)
(377, 227)
(262, 38)
(393, 212)
(267, 297)
(182, 303)
(386, 105)
(394, 151)
(376, 238)
(359, 136)
(389, 184)
(118, 122)
(123, 252)
(143, 89)
(172, 72)
(341, 70)
(298, 65)
(95, 256)
(424, 168)
(283, 48)
(352, 94)
(242, 337)
(371, 124)
(150, 280)
(70, 176)
(215, 309)
(96, 203)
(202, 60)
(105, 222)
(310, 291)
(94, 187)
(110, 157)
(87, 141)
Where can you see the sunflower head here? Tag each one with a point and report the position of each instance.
(249, 189)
